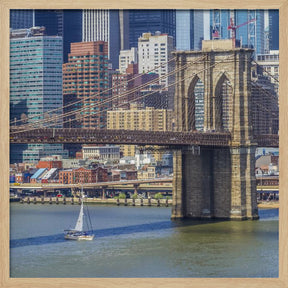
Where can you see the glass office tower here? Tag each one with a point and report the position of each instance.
(143, 21)
(65, 23)
(35, 87)
(103, 25)
(189, 29)
(273, 29)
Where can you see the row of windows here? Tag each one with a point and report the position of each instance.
(20, 51)
(88, 56)
(94, 64)
(37, 39)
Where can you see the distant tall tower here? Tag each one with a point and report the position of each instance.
(189, 29)
(142, 21)
(52, 20)
(72, 29)
(184, 29)
(274, 29)
(20, 19)
(108, 26)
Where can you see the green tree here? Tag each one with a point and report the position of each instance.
(158, 196)
(122, 196)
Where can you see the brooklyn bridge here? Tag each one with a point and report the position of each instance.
(213, 166)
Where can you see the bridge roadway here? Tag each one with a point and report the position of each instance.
(133, 137)
(121, 184)
(48, 186)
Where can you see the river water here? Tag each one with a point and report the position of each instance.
(139, 242)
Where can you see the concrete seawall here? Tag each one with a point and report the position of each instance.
(97, 201)
(120, 202)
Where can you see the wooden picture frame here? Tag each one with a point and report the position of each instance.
(5, 280)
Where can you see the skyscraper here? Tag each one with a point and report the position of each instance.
(65, 23)
(35, 86)
(20, 19)
(142, 21)
(72, 30)
(52, 20)
(86, 76)
(251, 30)
(273, 29)
(184, 29)
(189, 29)
(104, 25)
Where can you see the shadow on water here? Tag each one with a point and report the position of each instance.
(125, 230)
(99, 233)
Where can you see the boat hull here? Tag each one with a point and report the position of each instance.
(79, 237)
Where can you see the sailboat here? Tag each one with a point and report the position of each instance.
(78, 233)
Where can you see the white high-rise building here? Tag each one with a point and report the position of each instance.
(127, 57)
(154, 53)
(109, 26)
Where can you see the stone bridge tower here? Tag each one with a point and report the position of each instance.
(215, 182)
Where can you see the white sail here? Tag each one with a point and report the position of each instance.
(79, 223)
(78, 233)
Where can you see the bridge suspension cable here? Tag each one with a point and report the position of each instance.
(94, 95)
(265, 115)
(266, 71)
(102, 103)
(108, 100)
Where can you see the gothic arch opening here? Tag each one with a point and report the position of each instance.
(223, 105)
(195, 117)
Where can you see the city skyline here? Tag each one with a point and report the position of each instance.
(153, 49)
(126, 27)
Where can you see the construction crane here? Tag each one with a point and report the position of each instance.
(233, 27)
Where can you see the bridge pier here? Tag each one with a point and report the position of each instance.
(244, 193)
(178, 189)
(216, 183)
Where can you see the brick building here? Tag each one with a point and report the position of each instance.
(128, 175)
(49, 164)
(86, 74)
(83, 175)
(125, 86)
(66, 177)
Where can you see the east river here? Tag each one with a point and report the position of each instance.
(139, 242)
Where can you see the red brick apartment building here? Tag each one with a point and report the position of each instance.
(125, 84)
(86, 74)
(83, 175)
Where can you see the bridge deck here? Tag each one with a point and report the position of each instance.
(132, 137)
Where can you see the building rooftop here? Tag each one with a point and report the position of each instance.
(38, 173)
